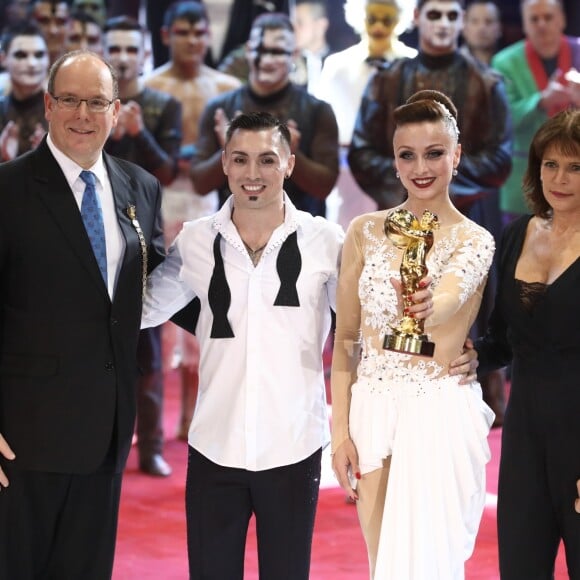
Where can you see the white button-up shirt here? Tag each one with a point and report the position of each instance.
(114, 240)
(261, 401)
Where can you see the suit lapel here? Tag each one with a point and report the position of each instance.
(54, 191)
(124, 194)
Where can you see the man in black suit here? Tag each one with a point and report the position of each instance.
(69, 323)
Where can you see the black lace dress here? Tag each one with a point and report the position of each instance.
(536, 327)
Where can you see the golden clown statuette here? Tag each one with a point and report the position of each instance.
(415, 237)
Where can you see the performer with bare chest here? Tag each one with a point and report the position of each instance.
(186, 32)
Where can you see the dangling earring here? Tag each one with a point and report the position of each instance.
(455, 172)
(397, 175)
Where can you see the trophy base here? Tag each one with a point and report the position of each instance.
(409, 344)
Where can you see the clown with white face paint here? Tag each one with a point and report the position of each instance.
(270, 54)
(25, 58)
(27, 64)
(125, 51)
(440, 23)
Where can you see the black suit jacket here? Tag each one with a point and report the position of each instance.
(67, 352)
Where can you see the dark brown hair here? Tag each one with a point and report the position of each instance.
(258, 121)
(562, 131)
(273, 21)
(192, 12)
(427, 106)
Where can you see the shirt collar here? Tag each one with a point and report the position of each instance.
(71, 169)
(222, 223)
(288, 265)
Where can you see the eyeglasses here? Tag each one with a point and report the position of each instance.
(452, 15)
(94, 104)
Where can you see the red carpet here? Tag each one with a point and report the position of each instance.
(151, 542)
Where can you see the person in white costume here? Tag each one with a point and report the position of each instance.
(343, 79)
(265, 275)
(409, 441)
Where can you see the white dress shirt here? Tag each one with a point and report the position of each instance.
(114, 240)
(261, 401)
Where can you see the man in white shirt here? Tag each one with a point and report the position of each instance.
(265, 275)
(310, 20)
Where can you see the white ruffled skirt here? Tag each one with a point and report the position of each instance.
(436, 432)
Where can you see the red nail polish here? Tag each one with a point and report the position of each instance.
(422, 284)
(357, 475)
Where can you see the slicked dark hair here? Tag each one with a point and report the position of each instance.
(258, 121)
(273, 21)
(83, 17)
(562, 132)
(123, 23)
(21, 28)
(188, 10)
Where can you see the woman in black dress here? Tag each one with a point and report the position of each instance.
(536, 327)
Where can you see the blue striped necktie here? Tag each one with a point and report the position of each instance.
(92, 215)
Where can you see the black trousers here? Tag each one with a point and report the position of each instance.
(219, 504)
(539, 467)
(149, 394)
(58, 526)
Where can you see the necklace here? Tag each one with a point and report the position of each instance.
(255, 254)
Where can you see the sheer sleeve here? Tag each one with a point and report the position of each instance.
(347, 340)
(463, 276)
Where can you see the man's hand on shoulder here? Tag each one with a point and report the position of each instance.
(7, 453)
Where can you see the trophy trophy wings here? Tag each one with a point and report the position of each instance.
(415, 237)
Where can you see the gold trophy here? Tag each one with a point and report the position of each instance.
(416, 238)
